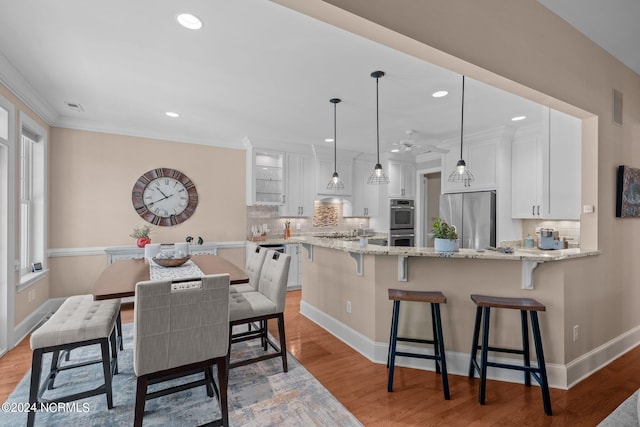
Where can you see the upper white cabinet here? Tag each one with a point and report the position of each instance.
(526, 179)
(563, 189)
(299, 197)
(324, 171)
(401, 179)
(480, 154)
(265, 183)
(546, 169)
(365, 196)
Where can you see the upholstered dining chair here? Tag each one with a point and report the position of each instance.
(259, 306)
(179, 329)
(253, 267)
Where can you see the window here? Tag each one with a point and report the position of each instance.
(32, 195)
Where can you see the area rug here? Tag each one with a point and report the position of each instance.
(259, 394)
(625, 415)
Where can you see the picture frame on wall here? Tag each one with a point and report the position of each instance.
(628, 192)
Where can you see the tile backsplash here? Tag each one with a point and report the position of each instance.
(570, 230)
(328, 217)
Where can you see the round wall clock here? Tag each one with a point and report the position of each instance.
(164, 197)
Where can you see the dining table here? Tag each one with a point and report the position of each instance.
(119, 279)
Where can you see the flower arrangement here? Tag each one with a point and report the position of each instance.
(142, 234)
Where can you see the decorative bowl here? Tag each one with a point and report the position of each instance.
(170, 262)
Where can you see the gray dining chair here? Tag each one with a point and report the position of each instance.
(257, 307)
(179, 329)
(253, 267)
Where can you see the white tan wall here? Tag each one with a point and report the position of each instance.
(92, 175)
(522, 47)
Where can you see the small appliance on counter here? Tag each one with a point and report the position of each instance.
(549, 240)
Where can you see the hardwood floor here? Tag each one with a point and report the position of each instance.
(417, 398)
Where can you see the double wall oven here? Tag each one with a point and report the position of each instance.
(402, 223)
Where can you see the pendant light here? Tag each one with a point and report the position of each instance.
(378, 176)
(461, 173)
(336, 183)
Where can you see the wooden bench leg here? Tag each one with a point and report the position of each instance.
(36, 370)
(106, 367)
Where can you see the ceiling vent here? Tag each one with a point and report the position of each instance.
(617, 107)
(74, 106)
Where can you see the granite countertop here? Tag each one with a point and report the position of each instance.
(519, 254)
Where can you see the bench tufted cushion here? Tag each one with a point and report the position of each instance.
(79, 318)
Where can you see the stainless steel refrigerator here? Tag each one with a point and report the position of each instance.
(474, 215)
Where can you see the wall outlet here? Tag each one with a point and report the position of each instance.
(298, 226)
(31, 295)
(588, 209)
(349, 306)
(575, 333)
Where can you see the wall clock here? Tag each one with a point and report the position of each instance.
(164, 197)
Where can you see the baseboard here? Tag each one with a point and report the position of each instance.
(457, 362)
(35, 319)
(583, 366)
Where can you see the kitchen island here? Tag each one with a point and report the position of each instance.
(345, 290)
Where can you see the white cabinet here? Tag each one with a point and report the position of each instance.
(526, 179)
(365, 196)
(265, 180)
(299, 197)
(324, 171)
(401, 179)
(564, 164)
(546, 169)
(295, 274)
(480, 155)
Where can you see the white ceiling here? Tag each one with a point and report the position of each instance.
(255, 69)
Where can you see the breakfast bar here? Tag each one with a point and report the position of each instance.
(345, 290)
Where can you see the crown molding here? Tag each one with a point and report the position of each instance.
(84, 125)
(11, 78)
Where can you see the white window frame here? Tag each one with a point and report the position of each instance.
(7, 229)
(33, 175)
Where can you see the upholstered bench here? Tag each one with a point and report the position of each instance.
(80, 321)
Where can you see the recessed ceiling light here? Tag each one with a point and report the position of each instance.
(395, 150)
(189, 21)
(518, 118)
(172, 114)
(328, 140)
(440, 94)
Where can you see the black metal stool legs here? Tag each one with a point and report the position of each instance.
(544, 384)
(438, 346)
(391, 356)
(483, 316)
(441, 355)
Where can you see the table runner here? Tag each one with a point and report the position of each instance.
(186, 271)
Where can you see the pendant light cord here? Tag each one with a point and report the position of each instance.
(377, 122)
(462, 119)
(335, 142)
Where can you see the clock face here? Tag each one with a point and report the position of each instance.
(164, 197)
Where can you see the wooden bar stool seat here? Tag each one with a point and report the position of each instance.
(483, 306)
(435, 298)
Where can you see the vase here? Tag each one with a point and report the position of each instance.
(143, 241)
(445, 245)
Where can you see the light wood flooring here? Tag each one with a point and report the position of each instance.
(417, 398)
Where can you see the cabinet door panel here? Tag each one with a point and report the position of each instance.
(564, 198)
(526, 190)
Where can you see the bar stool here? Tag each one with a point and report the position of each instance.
(435, 299)
(484, 304)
